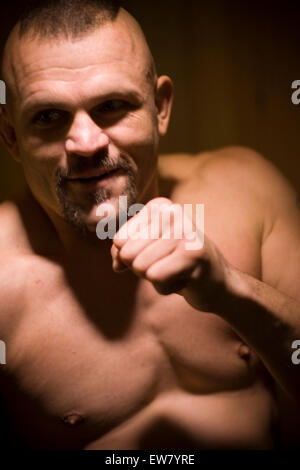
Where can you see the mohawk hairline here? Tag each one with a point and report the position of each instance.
(66, 18)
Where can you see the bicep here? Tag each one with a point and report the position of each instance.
(281, 247)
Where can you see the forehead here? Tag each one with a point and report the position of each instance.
(110, 56)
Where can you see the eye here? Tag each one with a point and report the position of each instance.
(112, 109)
(49, 118)
(113, 105)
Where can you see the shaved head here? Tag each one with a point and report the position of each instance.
(24, 34)
(82, 98)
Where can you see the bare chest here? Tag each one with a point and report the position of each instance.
(98, 362)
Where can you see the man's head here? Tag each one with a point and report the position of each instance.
(83, 98)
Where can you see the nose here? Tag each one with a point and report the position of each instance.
(85, 137)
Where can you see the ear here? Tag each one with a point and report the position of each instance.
(163, 101)
(7, 135)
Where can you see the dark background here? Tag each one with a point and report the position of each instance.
(232, 63)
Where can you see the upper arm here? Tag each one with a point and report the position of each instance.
(275, 201)
(281, 269)
(281, 241)
(263, 200)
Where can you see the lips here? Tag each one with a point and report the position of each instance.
(93, 176)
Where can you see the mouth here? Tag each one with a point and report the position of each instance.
(95, 178)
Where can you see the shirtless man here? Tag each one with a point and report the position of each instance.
(183, 349)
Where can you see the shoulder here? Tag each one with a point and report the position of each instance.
(228, 162)
(247, 168)
(19, 267)
(12, 233)
(237, 177)
(23, 279)
(234, 160)
(246, 190)
(13, 274)
(241, 167)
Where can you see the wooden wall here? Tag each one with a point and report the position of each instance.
(233, 63)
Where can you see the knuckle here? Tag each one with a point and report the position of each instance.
(138, 266)
(118, 243)
(114, 252)
(159, 201)
(125, 254)
(152, 276)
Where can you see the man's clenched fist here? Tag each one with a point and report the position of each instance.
(155, 244)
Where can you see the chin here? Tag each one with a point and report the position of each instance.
(85, 215)
(87, 221)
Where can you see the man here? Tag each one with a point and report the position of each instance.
(134, 343)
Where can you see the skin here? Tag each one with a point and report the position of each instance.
(163, 363)
(30, 81)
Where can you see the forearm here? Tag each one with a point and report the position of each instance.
(267, 320)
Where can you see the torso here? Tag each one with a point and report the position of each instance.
(89, 369)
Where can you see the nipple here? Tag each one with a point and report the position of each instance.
(244, 352)
(73, 419)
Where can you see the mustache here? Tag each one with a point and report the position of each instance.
(99, 161)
